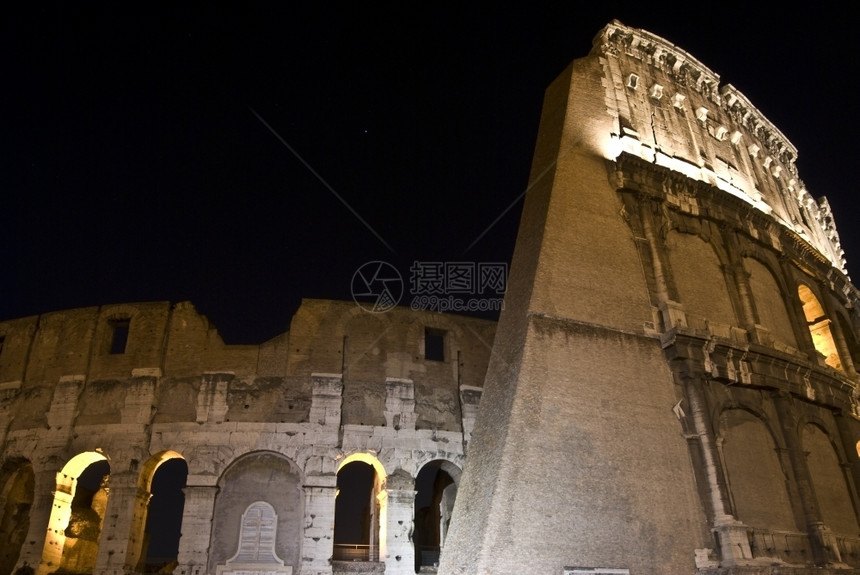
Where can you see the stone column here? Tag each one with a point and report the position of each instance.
(731, 534)
(327, 400)
(41, 530)
(672, 312)
(196, 529)
(741, 278)
(842, 348)
(400, 403)
(849, 444)
(119, 532)
(318, 538)
(212, 397)
(470, 399)
(396, 526)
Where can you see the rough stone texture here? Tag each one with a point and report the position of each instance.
(657, 401)
(672, 386)
(267, 423)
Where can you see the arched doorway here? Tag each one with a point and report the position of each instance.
(154, 544)
(258, 477)
(16, 498)
(829, 483)
(436, 490)
(755, 476)
(819, 327)
(80, 501)
(358, 514)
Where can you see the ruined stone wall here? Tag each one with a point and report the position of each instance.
(140, 384)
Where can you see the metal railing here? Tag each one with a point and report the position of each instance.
(355, 552)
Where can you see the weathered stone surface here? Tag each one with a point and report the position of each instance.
(253, 423)
(672, 386)
(678, 340)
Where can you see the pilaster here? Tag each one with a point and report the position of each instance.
(196, 529)
(318, 538)
(397, 550)
(212, 397)
(41, 529)
(400, 403)
(731, 534)
(120, 543)
(327, 399)
(470, 399)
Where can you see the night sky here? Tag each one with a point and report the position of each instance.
(137, 164)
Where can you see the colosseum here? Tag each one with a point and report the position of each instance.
(671, 387)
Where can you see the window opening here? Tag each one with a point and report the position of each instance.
(819, 327)
(434, 502)
(119, 335)
(434, 344)
(632, 81)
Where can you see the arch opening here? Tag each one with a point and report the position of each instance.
(77, 516)
(436, 491)
(819, 327)
(17, 488)
(829, 481)
(755, 475)
(358, 509)
(261, 477)
(154, 545)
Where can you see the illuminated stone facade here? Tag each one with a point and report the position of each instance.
(673, 386)
(262, 429)
(671, 389)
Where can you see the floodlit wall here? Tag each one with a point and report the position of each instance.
(672, 387)
(136, 385)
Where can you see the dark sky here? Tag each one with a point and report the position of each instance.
(134, 167)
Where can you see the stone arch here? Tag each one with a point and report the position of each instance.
(436, 490)
(756, 479)
(17, 491)
(359, 510)
(258, 476)
(72, 546)
(367, 458)
(819, 326)
(139, 537)
(697, 271)
(827, 471)
(453, 465)
(769, 301)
